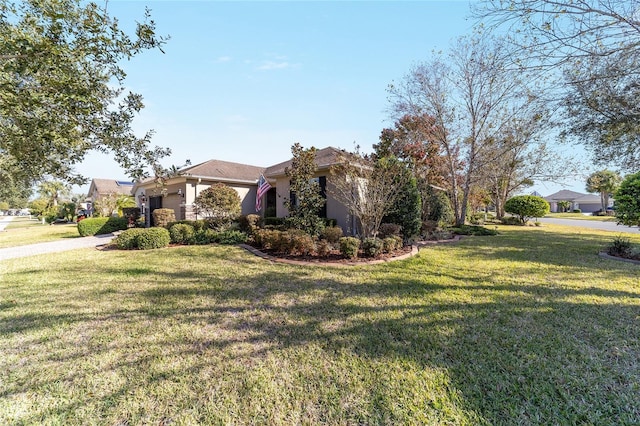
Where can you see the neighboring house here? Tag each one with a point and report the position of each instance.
(101, 188)
(587, 203)
(181, 191)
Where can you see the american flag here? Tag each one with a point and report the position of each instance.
(263, 187)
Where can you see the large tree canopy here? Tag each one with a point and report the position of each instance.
(593, 47)
(62, 88)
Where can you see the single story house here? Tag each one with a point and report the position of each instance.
(180, 192)
(587, 203)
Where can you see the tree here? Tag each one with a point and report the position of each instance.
(306, 200)
(368, 187)
(564, 206)
(52, 191)
(606, 183)
(219, 204)
(596, 43)
(627, 204)
(413, 140)
(406, 209)
(472, 96)
(62, 88)
(527, 207)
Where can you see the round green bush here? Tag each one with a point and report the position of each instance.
(527, 207)
(181, 233)
(332, 234)
(153, 238)
(349, 247)
(128, 240)
(372, 247)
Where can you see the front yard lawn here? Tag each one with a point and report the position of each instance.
(527, 327)
(36, 233)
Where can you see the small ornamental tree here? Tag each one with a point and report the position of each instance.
(627, 201)
(527, 207)
(219, 204)
(306, 200)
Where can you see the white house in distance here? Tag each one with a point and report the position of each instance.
(587, 203)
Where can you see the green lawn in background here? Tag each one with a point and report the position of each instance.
(23, 232)
(527, 327)
(581, 216)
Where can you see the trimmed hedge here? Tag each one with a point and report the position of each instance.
(181, 233)
(372, 247)
(153, 238)
(101, 225)
(163, 217)
(143, 238)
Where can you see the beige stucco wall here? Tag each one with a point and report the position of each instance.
(335, 210)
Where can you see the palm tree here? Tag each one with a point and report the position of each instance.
(52, 191)
(606, 183)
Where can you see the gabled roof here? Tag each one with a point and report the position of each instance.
(224, 170)
(325, 158)
(110, 186)
(564, 195)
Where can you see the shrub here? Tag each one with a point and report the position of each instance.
(372, 247)
(332, 234)
(627, 201)
(577, 211)
(620, 247)
(391, 243)
(181, 233)
(101, 225)
(198, 225)
(323, 248)
(526, 207)
(510, 220)
(473, 230)
(389, 229)
(230, 237)
(330, 222)
(274, 221)
(162, 217)
(153, 238)
(132, 214)
(349, 247)
(249, 223)
(299, 243)
(268, 238)
(128, 240)
(203, 237)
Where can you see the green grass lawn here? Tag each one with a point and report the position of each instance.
(527, 327)
(581, 217)
(23, 232)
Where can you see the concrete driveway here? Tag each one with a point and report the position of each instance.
(592, 224)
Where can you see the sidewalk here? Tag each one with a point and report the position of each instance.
(4, 221)
(54, 246)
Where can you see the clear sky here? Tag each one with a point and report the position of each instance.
(243, 81)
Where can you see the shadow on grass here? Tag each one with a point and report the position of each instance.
(516, 353)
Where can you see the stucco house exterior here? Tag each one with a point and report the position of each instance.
(100, 188)
(587, 203)
(180, 192)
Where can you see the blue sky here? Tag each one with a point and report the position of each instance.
(243, 81)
